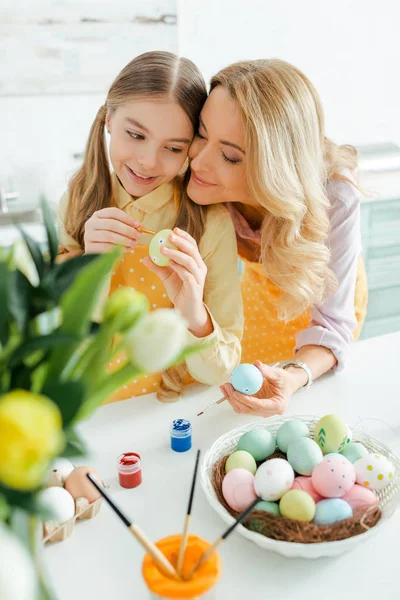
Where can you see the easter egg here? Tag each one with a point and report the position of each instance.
(241, 460)
(158, 241)
(305, 484)
(290, 431)
(59, 502)
(246, 379)
(353, 451)
(374, 471)
(298, 505)
(62, 467)
(260, 443)
(304, 454)
(273, 478)
(360, 497)
(238, 489)
(332, 510)
(79, 486)
(331, 433)
(269, 507)
(332, 454)
(333, 477)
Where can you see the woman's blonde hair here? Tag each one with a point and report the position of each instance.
(290, 162)
(151, 75)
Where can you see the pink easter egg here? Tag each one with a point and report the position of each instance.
(304, 483)
(360, 497)
(238, 489)
(333, 477)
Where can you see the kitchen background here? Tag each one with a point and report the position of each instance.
(58, 57)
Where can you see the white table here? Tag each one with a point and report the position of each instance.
(102, 561)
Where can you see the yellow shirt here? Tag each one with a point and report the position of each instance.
(222, 294)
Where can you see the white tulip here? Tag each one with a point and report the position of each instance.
(156, 340)
(17, 572)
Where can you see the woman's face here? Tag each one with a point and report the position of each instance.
(217, 154)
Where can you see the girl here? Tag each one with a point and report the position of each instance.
(151, 113)
(261, 149)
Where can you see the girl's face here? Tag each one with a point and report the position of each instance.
(217, 154)
(149, 142)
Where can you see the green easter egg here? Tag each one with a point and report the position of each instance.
(241, 460)
(260, 443)
(270, 507)
(158, 241)
(354, 451)
(297, 505)
(331, 434)
(290, 431)
(304, 454)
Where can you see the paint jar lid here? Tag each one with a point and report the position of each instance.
(181, 428)
(129, 462)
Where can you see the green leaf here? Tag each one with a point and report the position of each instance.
(4, 508)
(15, 498)
(4, 275)
(44, 342)
(62, 276)
(19, 298)
(35, 252)
(67, 395)
(75, 445)
(51, 231)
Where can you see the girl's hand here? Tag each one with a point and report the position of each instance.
(110, 227)
(184, 280)
(273, 397)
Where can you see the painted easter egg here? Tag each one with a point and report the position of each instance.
(360, 497)
(374, 471)
(269, 507)
(158, 241)
(273, 478)
(241, 460)
(305, 484)
(353, 451)
(332, 510)
(59, 502)
(247, 379)
(331, 454)
(333, 477)
(260, 443)
(331, 434)
(304, 454)
(290, 431)
(298, 505)
(238, 489)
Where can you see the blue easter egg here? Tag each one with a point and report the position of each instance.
(246, 379)
(332, 510)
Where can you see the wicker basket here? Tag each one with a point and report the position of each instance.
(226, 444)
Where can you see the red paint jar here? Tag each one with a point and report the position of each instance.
(129, 467)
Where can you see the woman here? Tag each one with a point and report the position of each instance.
(261, 149)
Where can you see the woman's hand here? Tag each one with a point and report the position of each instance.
(184, 280)
(110, 227)
(272, 399)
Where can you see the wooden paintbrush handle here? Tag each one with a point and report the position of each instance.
(161, 561)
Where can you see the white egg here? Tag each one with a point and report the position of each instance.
(59, 502)
(63, 467)
(273, 479)
(374, 471)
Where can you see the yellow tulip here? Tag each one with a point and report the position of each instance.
(31, 436)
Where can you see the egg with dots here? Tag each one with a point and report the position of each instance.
(289, 432)
(238, 489)
(304, 454)
(333, 477)
(273, 479)
(297, 505)
(159, 241)
(360, 497)
(331, 511)
(79, 486)
(260, 443)
(246, 379)
(305, 484)
(374, 471)
(331, 434)
(241, 460)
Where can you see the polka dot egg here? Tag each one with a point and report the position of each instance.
(374, 471)
(247, 379)
(333, 477)
(158, 241)
(273, 479)
(238, 489)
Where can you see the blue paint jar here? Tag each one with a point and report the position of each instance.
(181, 435)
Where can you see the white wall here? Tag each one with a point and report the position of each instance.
(350, 49)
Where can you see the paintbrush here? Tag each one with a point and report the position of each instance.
(144, 230)
(160, 560)
(219, 541)
(185, 534)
